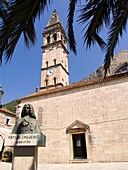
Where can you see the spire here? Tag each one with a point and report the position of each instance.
(54, 19)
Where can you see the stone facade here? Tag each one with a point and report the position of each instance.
(97, 109)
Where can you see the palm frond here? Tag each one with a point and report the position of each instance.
(3, 9)
(116, 30)
(20, 21)
(95, 15)
(71, 10)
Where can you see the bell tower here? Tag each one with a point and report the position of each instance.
(54, 72)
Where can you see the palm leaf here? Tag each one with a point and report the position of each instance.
(71, 10)
(95, 15)
(117, 28)
(20, 21)
(3, 9)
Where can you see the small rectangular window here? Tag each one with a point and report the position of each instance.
(54, 61)
(78, 143)
(7, 121)
(46, 63)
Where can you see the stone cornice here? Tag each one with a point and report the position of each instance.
(44, 47)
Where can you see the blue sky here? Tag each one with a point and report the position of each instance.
(22, 74)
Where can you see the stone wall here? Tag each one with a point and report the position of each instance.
(7, 121)
(103, 107)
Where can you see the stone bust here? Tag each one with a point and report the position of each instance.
(27, 124)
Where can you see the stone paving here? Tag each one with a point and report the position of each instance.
(91, 166)
(5, 166)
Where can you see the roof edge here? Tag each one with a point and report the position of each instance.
(7, 111)
(77, 85)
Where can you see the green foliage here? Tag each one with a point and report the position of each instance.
(7, 154)
(21, 16)
(11, 106)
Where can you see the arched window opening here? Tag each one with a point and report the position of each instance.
(122, 69)
(48, 39)
(46, 82)
(55, 37)
(54, 80)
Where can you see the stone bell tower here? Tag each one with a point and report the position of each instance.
(54, 72)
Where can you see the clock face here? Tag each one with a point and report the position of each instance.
(50, 72)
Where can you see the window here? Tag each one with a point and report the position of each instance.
(54, 80)
(46, 63)
(48, 39)
(46, 82)
(122, 69)
(55, 37)
(54, 61)
(8, 122)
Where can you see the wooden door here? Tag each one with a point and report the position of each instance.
(79, 146)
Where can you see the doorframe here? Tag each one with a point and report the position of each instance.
(78, 127)
(71, 146)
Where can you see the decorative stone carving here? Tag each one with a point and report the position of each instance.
(77, 126)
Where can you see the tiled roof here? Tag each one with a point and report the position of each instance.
(77, 85)
(6, 111)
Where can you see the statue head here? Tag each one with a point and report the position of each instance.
(28, 111)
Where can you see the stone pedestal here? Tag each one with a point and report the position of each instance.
(25, 158)
(25, 154)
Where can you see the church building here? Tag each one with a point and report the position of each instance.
(85, 121)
